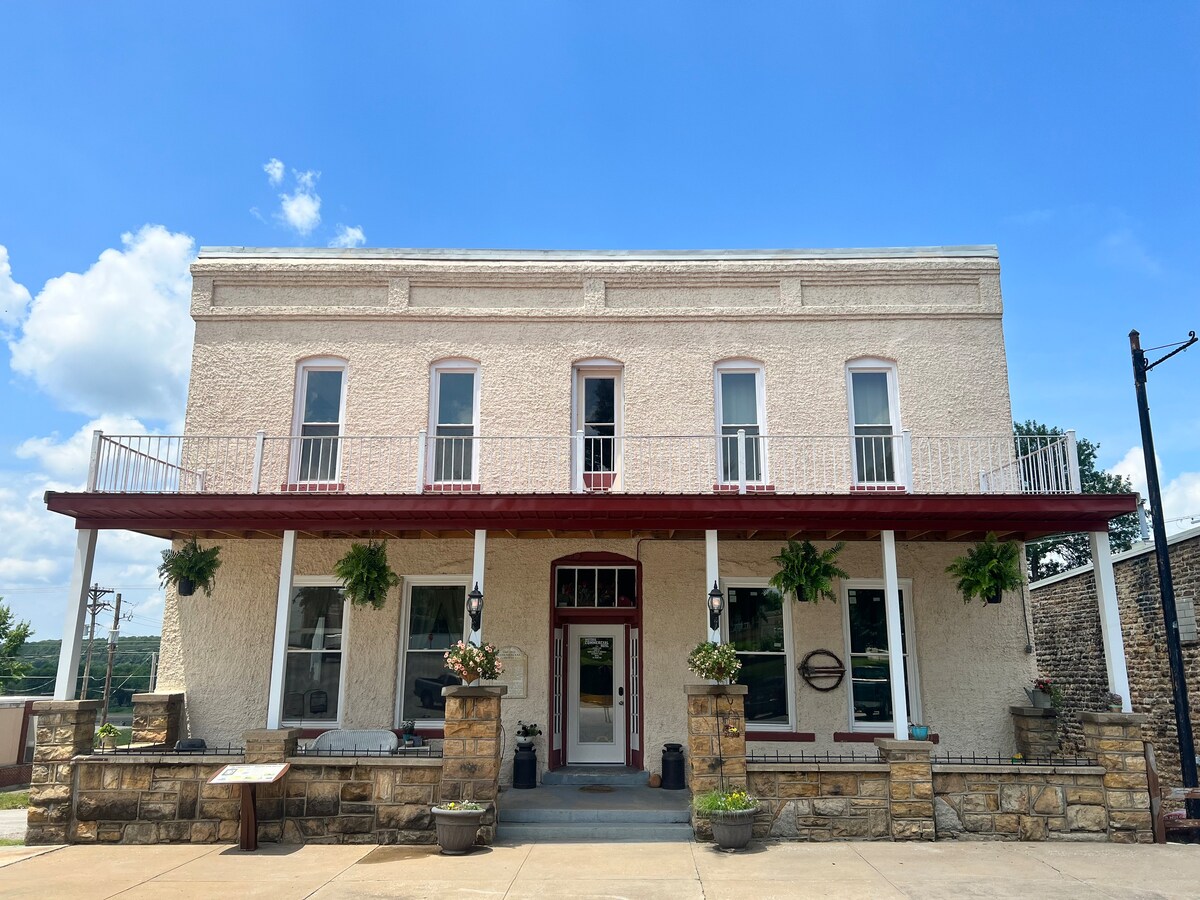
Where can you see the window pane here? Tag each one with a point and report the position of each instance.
(595, 680)
(585, 587)
(739, 405)
(436, 616)
(765, 677)
(869, 660)
(310, 686)
(453, 454)
(729, 453)
(315, 618)
(318, 452)
(626, 587)
(756, 619)
(323, 395)
(870, 391)
(872, 689)
(566, 588)
(599, 401)
(868, 621)
(424, 677)
(456, 398)
(606, 587)
(873, 454)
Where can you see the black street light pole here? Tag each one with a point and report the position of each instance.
(1179, 691)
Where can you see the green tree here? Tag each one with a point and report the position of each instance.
(12, 638)
(1049, 556)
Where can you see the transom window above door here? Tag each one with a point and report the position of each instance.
(606, 586)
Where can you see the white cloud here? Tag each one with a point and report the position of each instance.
(67, 459)
(348, 236)
(1123, 249)
(14, 298)
(274, 170)
(1180, 495)
(115, 340)
(301, 209)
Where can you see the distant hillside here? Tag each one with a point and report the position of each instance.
(131, 668)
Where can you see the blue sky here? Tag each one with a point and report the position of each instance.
(1067, 134)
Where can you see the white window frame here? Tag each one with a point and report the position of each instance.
(888, 368)
(599, 368)
(299, 581)
(912, 672)
(789, 650)
(446, 367)
(758, 370)
(411, 581)
(303, 367)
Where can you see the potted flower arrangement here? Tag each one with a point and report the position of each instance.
(408, 734)
(108, 734)
(190, 567)
(457, 825)
(731, 814)
(526, 732)
(1045, 693)
(806, 572)
(715, 662)
(470, 662)
(1116, 703)
(366, 575)
(988, 569)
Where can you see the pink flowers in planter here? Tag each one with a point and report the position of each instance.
(470, 662)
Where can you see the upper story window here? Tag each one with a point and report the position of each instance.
(598, 414)
(874, 419)
(741, 406)
(319, 418)
(454, 422)
(870, 661)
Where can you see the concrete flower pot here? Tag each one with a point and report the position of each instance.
(456, 829)
(732, 830)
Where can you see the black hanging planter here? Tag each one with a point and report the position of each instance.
(186, 586)
(995, 598)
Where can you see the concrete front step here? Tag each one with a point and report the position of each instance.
(583, 833)
(610, 775)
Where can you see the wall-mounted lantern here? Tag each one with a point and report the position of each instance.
(475, 607)
(716, 603)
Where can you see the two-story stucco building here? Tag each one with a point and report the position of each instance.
(594, 439)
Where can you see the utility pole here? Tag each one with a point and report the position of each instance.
(95, 605)
(112, 652)
(1179, 691)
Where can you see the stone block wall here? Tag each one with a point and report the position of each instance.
(1027, 803)
(716, 754)
(1067, 635)
(821, 801)
(471, 751)
(157, 719)
(66, 729)
(1116, 740)
(910, 788)
(1035, 731)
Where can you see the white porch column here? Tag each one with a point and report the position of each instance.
(1110, 617)
(891, 589)
(283, 602)
(67, 679)
(712, 575)
(476, 637)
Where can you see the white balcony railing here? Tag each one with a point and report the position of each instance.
(662, 464)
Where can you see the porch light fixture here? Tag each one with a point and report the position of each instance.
(716, 603)
(475, 607)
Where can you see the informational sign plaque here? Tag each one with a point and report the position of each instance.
(516, 672)
(240, 773)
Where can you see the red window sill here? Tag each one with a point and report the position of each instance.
(884, 488)
(867, 737)
(793, 737)
(452, 488)
(599, 481)
(723, 488)
(304, 487)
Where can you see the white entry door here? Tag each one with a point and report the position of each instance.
(596, 715)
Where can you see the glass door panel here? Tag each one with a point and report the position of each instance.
(596, 674)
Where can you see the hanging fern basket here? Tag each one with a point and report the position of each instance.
(365, 574)
(190, 567)
(987, 570)
(806, 572)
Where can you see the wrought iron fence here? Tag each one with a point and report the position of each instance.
(399, 754)
(169, 752)
(778, 757)
(996, 759)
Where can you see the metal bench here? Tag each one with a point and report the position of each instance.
(352, 740)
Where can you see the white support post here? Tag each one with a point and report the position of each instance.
(1110, 618)
(580, 449)
(712, 575)
(94, 460)
(477, 567)
(1076, 485)
(260, 438)
(891, 587)
(741, 445)
(77, 601)
(283, 603)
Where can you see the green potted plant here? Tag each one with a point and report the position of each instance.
(526, 732)
(1116, 702)
(190, 567)
(108, 734)
(988, 569)
(714, 662)
(806, 572)
(366, 575)
(731, 814)
(457, 826)
(1045, 694)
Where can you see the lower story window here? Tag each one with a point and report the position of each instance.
(758, 628)
(312, 674)
(870, 663)
(435, 623)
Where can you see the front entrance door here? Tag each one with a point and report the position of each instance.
(596, 713)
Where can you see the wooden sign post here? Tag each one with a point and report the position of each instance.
(249, 777)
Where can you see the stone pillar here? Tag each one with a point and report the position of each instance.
(471, 750)
(716, 737)
(1035, 730)
(66, 729)
(157, 718)
(1115, 739)
(270, 745)
(910, 773)
(263, 745)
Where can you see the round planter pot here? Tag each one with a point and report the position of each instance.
(456, 829)
(918, 732)
(186, 587)
(733, 830)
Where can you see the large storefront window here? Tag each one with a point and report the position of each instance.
(870, 664)
(758, 628)
(435, 623)
(313, 668)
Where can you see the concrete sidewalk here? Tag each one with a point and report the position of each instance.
(678, 871)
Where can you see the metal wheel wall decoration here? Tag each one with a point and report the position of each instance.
(822, 670)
